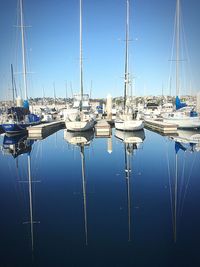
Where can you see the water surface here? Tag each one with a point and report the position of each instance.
(100, 203)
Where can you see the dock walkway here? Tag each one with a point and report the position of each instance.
(40, 130)
(160, 126)
(102, 128)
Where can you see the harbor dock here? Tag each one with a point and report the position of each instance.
(102, 129)
(41, 130)
(160, 126)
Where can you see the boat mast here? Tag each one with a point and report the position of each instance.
(81, 58)
(126, 78)
(13, 85)
(177, 46)
(23, 50)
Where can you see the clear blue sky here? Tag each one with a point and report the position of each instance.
(53, 45)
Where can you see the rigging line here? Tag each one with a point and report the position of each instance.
(30, 80)
(187, 55)
(172, 52)
(14, 42)
(16, 46)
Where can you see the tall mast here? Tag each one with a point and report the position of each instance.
(23, 50)
(81, 57)
(177, 46)
(13, 86)
(126, 78)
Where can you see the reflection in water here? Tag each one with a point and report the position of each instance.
(31, 222)
(15, 146)
(157, 226)
(81, 139)
(189, 138)
(186, 141)
(109, 145)
(132, 141)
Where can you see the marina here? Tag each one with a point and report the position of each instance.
(99, 133)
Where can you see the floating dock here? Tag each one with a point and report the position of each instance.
(43, 130)
(102, 129)
(161, 127)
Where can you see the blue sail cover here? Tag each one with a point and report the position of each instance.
(33, 118)
(26, 104)
(179, 104)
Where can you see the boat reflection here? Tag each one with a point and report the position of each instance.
(180, 171)
(81, 139)
(131, 141)
(17, 145)
(190, 139)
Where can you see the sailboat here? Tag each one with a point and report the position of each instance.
(185, 117)
(19, 117)
(81, 139)
(127, 121)
(81, 121)
(132, 141)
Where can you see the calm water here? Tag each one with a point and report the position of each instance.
(105, 203)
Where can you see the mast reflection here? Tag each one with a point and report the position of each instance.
(82, 140)
(184, 142)
(16, 146)
(131, 141)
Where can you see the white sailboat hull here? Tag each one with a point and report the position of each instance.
(185, 122)
(79, 126)
(129, 125)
